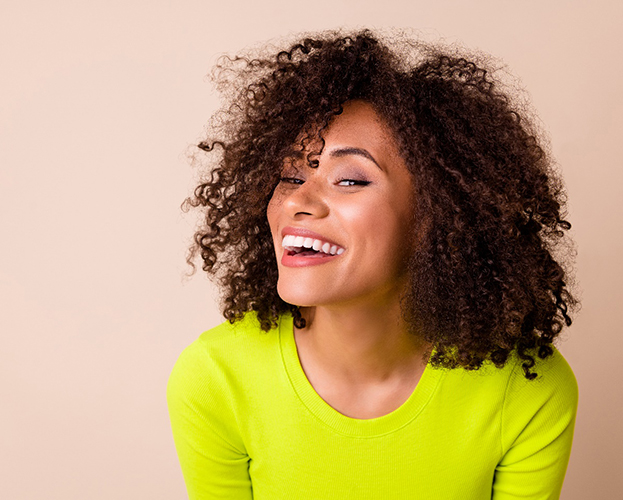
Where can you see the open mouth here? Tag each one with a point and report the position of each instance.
(309, 247)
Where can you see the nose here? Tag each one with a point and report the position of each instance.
(308, 200)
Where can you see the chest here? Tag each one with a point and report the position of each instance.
(322, 463)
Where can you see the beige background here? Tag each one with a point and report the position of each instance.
(98, 103)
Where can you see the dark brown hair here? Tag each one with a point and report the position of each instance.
(489, 205)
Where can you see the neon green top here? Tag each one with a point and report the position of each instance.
(248, 424)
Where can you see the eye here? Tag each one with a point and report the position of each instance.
(291, 180)
(352, 182)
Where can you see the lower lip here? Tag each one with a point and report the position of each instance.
(304, 261)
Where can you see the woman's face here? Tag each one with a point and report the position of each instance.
(354, 208)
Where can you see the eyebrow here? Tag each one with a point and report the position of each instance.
(339, 153)
(347, 151)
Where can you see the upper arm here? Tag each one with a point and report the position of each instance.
(213, 461)
(538, 418)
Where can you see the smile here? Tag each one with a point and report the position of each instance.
(307, 247)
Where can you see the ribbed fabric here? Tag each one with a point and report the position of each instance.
(248, 424)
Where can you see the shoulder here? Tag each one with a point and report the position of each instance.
(530, 410)
(227, 334)
(225, 344)
(555, 380)
(506, 391)
(214, 377)
(553, 375)
(221, 355)
(545, 405)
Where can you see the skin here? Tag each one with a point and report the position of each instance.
(355, 350)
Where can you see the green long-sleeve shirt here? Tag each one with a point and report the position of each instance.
(248, 424)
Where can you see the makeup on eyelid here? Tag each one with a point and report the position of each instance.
(340, 176)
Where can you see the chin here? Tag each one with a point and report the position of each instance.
(295, 296)
(300, 295)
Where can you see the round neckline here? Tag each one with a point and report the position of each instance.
(343, 424)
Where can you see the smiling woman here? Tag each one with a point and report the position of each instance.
(383, 225)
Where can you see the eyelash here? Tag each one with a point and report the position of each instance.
(353, 182)
(291, 180)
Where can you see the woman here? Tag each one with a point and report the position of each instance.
(382, 224)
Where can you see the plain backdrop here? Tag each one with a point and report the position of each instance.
(99, 102)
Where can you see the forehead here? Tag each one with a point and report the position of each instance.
(359, 126)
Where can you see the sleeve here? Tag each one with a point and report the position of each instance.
(538, 418)
(212, 457)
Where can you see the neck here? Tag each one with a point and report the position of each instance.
(361, 345)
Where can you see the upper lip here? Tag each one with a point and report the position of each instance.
(299, 231)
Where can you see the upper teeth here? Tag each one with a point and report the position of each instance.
(291, 242)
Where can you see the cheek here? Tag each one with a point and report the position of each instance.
(374, 227)
(356, 215)
(272, 213)
(385, 228)
(376, 216)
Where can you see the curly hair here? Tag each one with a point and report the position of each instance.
(489, 209)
